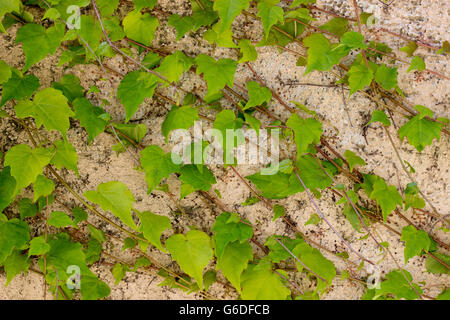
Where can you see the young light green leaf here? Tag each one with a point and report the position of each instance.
(192, 252)
(37, 42)
(228, 10)
(307, 132)
(386, 196)
(353, 159)
(380, 116)
(22, 156)
(234, 261)
(174, 65)
(221, 38)
(49, 108)
(270, 14)
(359, 76)
(259, 282)
(65, 156)
(416, 241)
(119, 271)
(417, 63)
(436, 267)
(181, 24)
(321, 54)
(140, 27)
(42, 187)
(152, 226)
(107, 7)
(277, 186)
(257, 95)
(218, 73)
(179, 118)
(296, 3)
(247, 51)
(278, 212)
(314, 219)
(38, 246)
(157, 165)
(411, 197)
(386, 77)
(59, 219)
(134, 88)
(114, 196)
(420, 132)
(353, 40)
(89, 117)
(410, 48)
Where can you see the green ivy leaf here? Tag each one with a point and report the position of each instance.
(59, 219)
(218, 73)
(192, 252)
(70, 87)
(7, 187)
(296, 3)
(5, 72)
(182, 24)
(19, 86)
(27, 208)
(270, 14)
(278, 212)
(247, 51)
(174, 65)
(397, 285)
(152, 226)
(37, 42)
(200, 180)
(410, 48)
(22, 156)
(436, 267)
(380, 116)
(353, 40)
(228, 10)
(353, 159)
(179, 118)
(91, 32)
(411, 197)
(119, 271)
(444, 295)
(338, 26)
(65, 156)
(257, 95)
(14, 234)
(276, 186)
(417, 63)
(7, 6)
(49, 108)
(415, 241)
(386, 196)
(114, 196)
(321, 54)
(314, 219)
(42, 187)
(228, 228)
(15, 264)
(316, 262)
(359, 76)
(141, 4)
(420, 132)
(386, 77)
(234, 261)
(134, 88)
(107, 7)
(89, 117)
(259, 282)
(38, 246)
(307, 132)
(157, 165)
(222, 39)
(140, 27)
